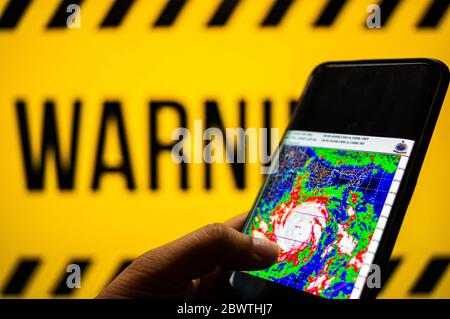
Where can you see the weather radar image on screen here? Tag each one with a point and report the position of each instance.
(326, 207)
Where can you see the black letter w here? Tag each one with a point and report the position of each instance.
(35, 171)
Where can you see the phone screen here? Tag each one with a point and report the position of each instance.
(326, 204)
(347, 167)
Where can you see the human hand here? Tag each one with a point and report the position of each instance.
(190, 266)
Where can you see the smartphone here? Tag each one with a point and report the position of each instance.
(346, 170)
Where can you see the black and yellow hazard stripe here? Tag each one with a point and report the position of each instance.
(16, 10)
(21, 274)
(26, 268)
(26, 25)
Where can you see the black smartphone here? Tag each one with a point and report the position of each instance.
(346, 170)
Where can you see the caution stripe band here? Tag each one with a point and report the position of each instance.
(389, 271)
(26, 268)
(330, 12)
(276, 13)
(387, 9)
(434, 14)
(223, 13)
(431, 275)
(20, 277)
(15, 11)
(170, 13)
(116, 14)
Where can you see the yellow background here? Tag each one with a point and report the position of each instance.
(188, 63)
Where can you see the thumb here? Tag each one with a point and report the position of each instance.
(214, 245)
(174, 265)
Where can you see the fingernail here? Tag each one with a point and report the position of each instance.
(265, 248)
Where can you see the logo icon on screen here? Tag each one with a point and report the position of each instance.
(401, 148)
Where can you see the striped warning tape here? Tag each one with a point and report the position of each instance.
(15, 11)
(16, 283)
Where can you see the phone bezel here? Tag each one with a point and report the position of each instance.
(404, 193)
